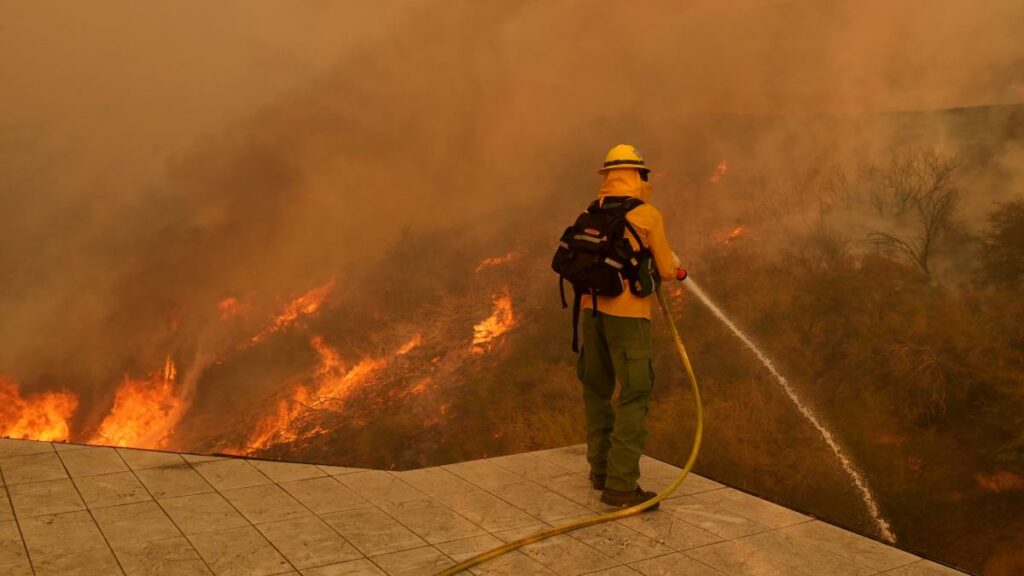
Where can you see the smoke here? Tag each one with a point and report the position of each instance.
(158, 159)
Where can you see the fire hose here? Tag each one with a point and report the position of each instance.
(599, 519)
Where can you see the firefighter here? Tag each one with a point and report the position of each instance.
(617, 344)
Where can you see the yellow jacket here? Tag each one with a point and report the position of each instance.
(650, 226)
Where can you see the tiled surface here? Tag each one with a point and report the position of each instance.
(74, 510)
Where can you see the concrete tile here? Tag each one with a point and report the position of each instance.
(415, 562)
(658, 470)
(6, 511)
(267, 503)
(677, 564)
(761, 511)
(61, 534)
(692, 484)
(539, 502)
(617, 571)
(732, 557)
(434, 481)
(512, 563)
(67, 446)
(849, 545)
(528, 466)
(239, 551)
(98, 562)
(354, 568)
(573, 459)
(287, 471)
(379, 487)
(228, 474)
(202, 513)
(91, 461)
(669, 530)
(483, 473)
(111, 489)
(308, 542)
(621, 543)
(562, 554)
(372, 531)
(712, 519)
(170, 557)
(12, 550)
(173, 481)
(197, 458)
(487, 511)
(144, 459)
(432, 521)
(465, 548)
(134, 523)
(339, 470)
(11, 447)
(42, 498)
(323, 495)
(19, 568)
(32, 468)
(803, 555)
(577, 487)
(924, 568)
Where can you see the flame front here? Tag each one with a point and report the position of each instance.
(720, 171)
(144, 413)
(41, 416)
(332, 385)
(498, 261)
(305, 305)
(501, 320)
(737, 232)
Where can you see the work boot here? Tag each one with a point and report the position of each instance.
(597, 480)
(626, 499)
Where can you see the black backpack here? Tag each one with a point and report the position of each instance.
(595, 257)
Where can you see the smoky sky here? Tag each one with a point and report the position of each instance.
(157, 158)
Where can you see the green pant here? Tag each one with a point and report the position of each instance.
(616, 348)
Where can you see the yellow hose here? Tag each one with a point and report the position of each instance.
(698, 435)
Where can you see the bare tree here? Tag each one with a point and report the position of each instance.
(916, 192)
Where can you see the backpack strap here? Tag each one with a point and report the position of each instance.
(577, 300)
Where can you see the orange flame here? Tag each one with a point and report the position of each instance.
(498, 261)
(332, 383)
(41, 416)
(231, 307)
(305, 305)
(720, 171)
(498, 323)
(145, 412)
(413, 343)
(738, 232)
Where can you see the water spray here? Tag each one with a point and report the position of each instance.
(885, 531)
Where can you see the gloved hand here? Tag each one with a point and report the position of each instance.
(680, 274)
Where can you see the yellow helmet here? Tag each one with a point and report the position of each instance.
(623, 156)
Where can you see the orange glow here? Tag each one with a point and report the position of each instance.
(411, 345)
(498, 323)
(305, 305)
(720, 171)
(144, 413)
(737, 232)
(498, 261)
(231, 307)
(41, 416)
